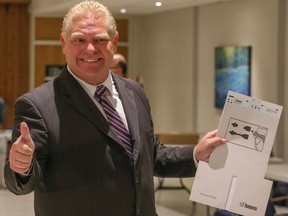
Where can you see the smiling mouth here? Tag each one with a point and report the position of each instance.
(91, 60)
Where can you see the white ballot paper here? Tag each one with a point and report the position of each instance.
(234, 178)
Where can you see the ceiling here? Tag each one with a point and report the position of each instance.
(133, 7)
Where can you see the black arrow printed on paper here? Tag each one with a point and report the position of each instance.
(247, 128)
(244, 136)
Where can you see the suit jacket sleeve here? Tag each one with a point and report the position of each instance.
(168, 161)
(27, 112)
(174, 161)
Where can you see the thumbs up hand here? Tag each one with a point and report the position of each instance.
(22, 150)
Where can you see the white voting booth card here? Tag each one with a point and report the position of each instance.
(234, 178)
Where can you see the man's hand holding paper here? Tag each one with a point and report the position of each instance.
(207, 145)
(234, 177)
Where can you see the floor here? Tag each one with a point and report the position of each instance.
(168, 202)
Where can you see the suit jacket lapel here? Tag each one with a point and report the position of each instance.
(129, 105)
(76, 97)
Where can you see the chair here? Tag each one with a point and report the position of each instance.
(280, 198)
(279, 194)
(176, 138)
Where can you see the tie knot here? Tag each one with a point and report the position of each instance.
(101, 90)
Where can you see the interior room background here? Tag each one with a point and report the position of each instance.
(174, 54)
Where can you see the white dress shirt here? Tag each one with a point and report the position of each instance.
(112, 96)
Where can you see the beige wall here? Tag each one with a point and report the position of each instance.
(284, 88)
(163, 51)
(164, 57)
(249, 23)
(174, 53)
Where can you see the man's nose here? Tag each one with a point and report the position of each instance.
(91, 47)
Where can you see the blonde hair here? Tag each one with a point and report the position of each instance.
(83, 9)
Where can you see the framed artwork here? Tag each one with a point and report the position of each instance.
(232, 72)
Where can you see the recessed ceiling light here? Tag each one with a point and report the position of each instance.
(123, 10)
(158, 4)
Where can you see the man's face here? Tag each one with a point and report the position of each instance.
(88, 49)
(117, 69)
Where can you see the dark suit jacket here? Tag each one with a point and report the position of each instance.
(80, 167)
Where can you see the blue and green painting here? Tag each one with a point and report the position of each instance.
(232, 72)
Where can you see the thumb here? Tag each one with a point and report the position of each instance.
(25, 134)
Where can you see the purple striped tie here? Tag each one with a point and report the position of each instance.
(114, 119)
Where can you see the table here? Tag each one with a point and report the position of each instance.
(176, 139)
(277, 172)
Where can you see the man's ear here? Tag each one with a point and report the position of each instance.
(115, 42)
(63, 42)
(116, 39)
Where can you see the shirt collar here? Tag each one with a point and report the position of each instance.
(91, 89)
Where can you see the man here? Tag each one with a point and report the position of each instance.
(66, 146)
(119, 65)
(117, 57)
